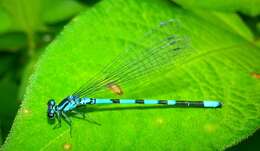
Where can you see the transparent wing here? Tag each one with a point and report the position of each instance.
(156, 50)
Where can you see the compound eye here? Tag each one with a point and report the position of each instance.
(50, 112)
(50, 115)
(51, 102)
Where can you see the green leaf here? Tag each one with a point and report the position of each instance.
(8, 103)
(12, 41)
(248, 7)
(251, 143)
(228, 21)
(24, 14)
(25, 17)
(27, 72)
(31, 16)
(60, 10)
(5, 21)
(258, 29)
(219, 67)
(5, 64)
(1, 140)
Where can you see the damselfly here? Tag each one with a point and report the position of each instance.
(159, 50)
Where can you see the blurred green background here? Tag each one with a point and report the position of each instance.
(28, 26)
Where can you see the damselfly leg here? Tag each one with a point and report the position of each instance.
(81, 113)
(58, 125)
(68, 120)
(86, 117)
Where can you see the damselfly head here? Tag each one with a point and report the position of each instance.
(51, 108)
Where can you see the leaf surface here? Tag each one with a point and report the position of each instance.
(248, 7)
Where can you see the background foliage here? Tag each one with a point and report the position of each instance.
(28, 26)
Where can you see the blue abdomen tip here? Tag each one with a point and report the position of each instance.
(214, 104)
